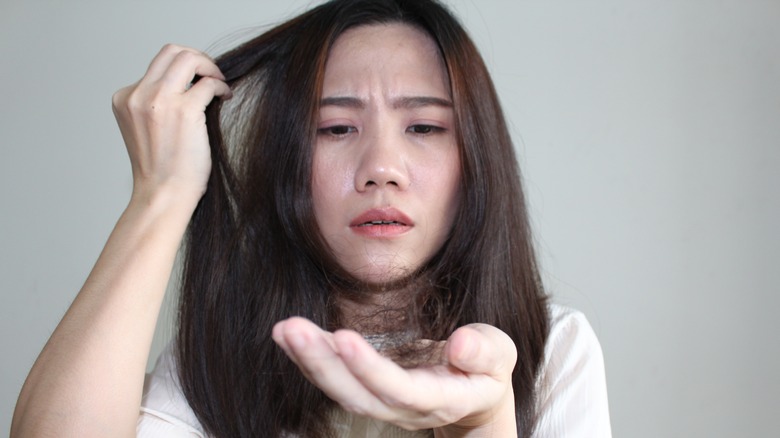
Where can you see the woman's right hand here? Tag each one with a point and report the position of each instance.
(163, 123)
(89, 377)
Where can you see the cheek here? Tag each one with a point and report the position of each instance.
(448, 175)
(319, 189)
(452, 202)
(442, 196)
(330, 182)
(452, 181)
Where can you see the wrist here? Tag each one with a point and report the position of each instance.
(497, 422)
(168, 201)
(164, 212)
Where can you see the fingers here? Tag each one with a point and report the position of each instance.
(169, 53)
(163, 123)
(352, 373)
(481, 349)
(381, 375)
(169, 75)
(206, 88)
(429, 396)
(162, 60)
(315, 354)
(175, 67)
(362, 381)
(296, 333)
(424, 397)
(393, 387)
(186, 64)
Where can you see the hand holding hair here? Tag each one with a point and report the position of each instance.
(89, 377)
(468, 394)
(163, 122)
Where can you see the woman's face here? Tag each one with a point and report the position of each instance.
(386, 166)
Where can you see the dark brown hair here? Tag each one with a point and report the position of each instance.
(254, 254)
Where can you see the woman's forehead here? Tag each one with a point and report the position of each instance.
(396, 58)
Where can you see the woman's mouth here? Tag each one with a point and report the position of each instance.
(367, 224)
(381, 222)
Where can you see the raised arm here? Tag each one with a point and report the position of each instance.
(88, 379)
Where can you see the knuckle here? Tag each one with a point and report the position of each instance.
(213, 84)
(403, 401)
(121, 97)
(150, 107)
(118, 100)
(209, 81)
(186, 56)
(170, 48)
(133, 101)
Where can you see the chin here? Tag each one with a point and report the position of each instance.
(388, 275)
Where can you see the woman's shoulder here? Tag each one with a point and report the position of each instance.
(164, 408)
(570, 324)
(571, 388)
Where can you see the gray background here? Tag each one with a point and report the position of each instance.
(648, 134)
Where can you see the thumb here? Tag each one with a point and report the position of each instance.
(481, 349)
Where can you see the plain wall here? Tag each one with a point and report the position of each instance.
(648, 134)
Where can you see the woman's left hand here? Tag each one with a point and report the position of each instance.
(468, 394)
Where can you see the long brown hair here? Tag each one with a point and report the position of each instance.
(254, 254)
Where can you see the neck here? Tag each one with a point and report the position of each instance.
(375, 311)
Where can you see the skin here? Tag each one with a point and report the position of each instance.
(88, 379)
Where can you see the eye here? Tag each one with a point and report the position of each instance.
(337, 130)
(424, 129)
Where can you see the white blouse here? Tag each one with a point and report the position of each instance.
(571, 397)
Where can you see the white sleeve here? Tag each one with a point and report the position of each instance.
(165, 412)
(572, 387)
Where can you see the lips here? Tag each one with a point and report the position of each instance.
(381, 222)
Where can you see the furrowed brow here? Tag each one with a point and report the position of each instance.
(410, 102)
(419, 102)
(348, 102)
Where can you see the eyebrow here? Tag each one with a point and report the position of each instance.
(409, 102)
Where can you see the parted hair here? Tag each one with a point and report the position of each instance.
(254, 254)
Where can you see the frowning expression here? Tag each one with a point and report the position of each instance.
(386, 167)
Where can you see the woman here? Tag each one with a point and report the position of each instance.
(358, 261)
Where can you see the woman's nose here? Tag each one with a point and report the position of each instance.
(382, 164)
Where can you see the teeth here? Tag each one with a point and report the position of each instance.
(380, 223)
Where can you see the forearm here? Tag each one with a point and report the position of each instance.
(88, 379)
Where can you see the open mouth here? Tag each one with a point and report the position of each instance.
(372, 223)
(382, 223)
